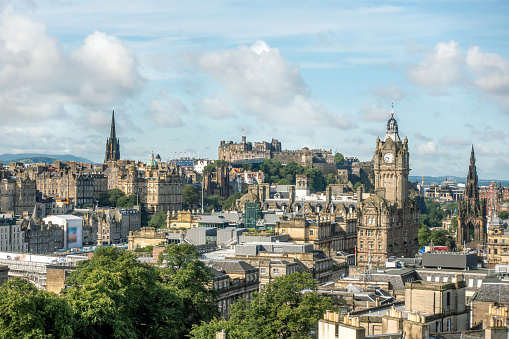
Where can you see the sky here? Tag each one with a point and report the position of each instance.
(184, 75)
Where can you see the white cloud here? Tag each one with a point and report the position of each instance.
(429, 148)
(166, 111)
(491, 73)
(37, 78)
(260, 82)
(454, 141)
(439, 69)
(215, 109)
(374, 112)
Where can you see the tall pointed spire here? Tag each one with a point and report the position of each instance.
(112, 143)
(113, 135)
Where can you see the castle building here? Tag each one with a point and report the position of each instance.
(112, 143)
(388, 221)
(471, 212)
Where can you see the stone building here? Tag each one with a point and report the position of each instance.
(497, 243)
(326, 232)
(157, 185)
(112, 143)
(146, 236)
(471, 211)
(12, 236)
(112, 225)
(17, 195)
(42, 238)
(388, 221)
(217, 182)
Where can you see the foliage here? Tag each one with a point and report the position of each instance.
(331, 179)
(213, 166)
(452, 208)
(147, 249)
(231, 201)
(190, 194)
(454, 224)
(339, 159)
(424, 235)
(158, 220)
(214, 202)
(281, 310)
(433, 215)
(503, 214)
(190, 278)
(26, 312)
(116, 296)
(116, 198)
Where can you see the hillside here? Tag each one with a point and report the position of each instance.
(32, 158)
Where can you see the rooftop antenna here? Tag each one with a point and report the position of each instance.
(422, 182)
(392, 112)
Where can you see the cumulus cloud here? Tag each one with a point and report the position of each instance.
(439, 69)
(214, 109)
(491, 72)
(391, 93)
(37, 78)
(166, 111)
(374, 112)
(454, 141)
(260, 82)
(429, 148)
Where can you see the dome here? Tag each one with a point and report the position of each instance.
(496, 222)
(152, 162)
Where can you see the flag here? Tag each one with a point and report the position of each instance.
(355, 249)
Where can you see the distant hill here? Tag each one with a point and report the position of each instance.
(32, 158)
(463, 180)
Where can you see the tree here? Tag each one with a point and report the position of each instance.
(127, 201)
(158, 220)
(26, 312)
(503, 214)
(439, 237)
(231, 201)
(317, 180)
(214, 202)
(331, 179)
(281, 310)
(190, 194)
(424, 235)
(116, 296)
(110, 198)
(454, 224)
(190, 278)
(339, 159)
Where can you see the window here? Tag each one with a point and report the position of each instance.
(283, 231)
(496, 251)
(361, 233)
(360, 258)
(448, 325)
(470, 282)
(379, 245)
(479, 283)
(310, 232)
(503, 241)
(361, 244)
(437, 279)
(496, 241)
(262, 270)
(445, 279)
(275, 271)
(448, 298)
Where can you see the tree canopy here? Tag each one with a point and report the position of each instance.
(26, 312)
(339, 159)
(158, 220)
(190, 194)
(281, 310)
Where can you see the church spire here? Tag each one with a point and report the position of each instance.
(112, 143)
(113, 135)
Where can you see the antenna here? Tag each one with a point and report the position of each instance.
(422, 182)
(392, 112)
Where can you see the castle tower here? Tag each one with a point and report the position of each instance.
(112, 143)
(302, 188)
(472, 213)
(391, 164)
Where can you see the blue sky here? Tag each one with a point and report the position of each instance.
(184, 75)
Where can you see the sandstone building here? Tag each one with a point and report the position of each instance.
(388, 220)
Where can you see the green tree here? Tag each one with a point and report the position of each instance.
(503, 214)
(424, 235)
(190, 278)
(190, 194)
(454, 224)
(158, 220)
(214, 202)
(26, 312)
(317, 180)
(116, 296)
(127, 201)
(281, 310)
(231, 201)
(339, 159)
(439, 237)
(331, 179)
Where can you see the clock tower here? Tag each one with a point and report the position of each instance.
(391, 164)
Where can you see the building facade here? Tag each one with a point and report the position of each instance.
(388, 221)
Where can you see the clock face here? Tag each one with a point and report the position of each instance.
(389, 158)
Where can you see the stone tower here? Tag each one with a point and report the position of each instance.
(391, 164)
(388, 221)
(302, 187)
(471, 211)
(112, 143)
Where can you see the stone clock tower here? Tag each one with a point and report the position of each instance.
(388, 221)
(391, 164)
